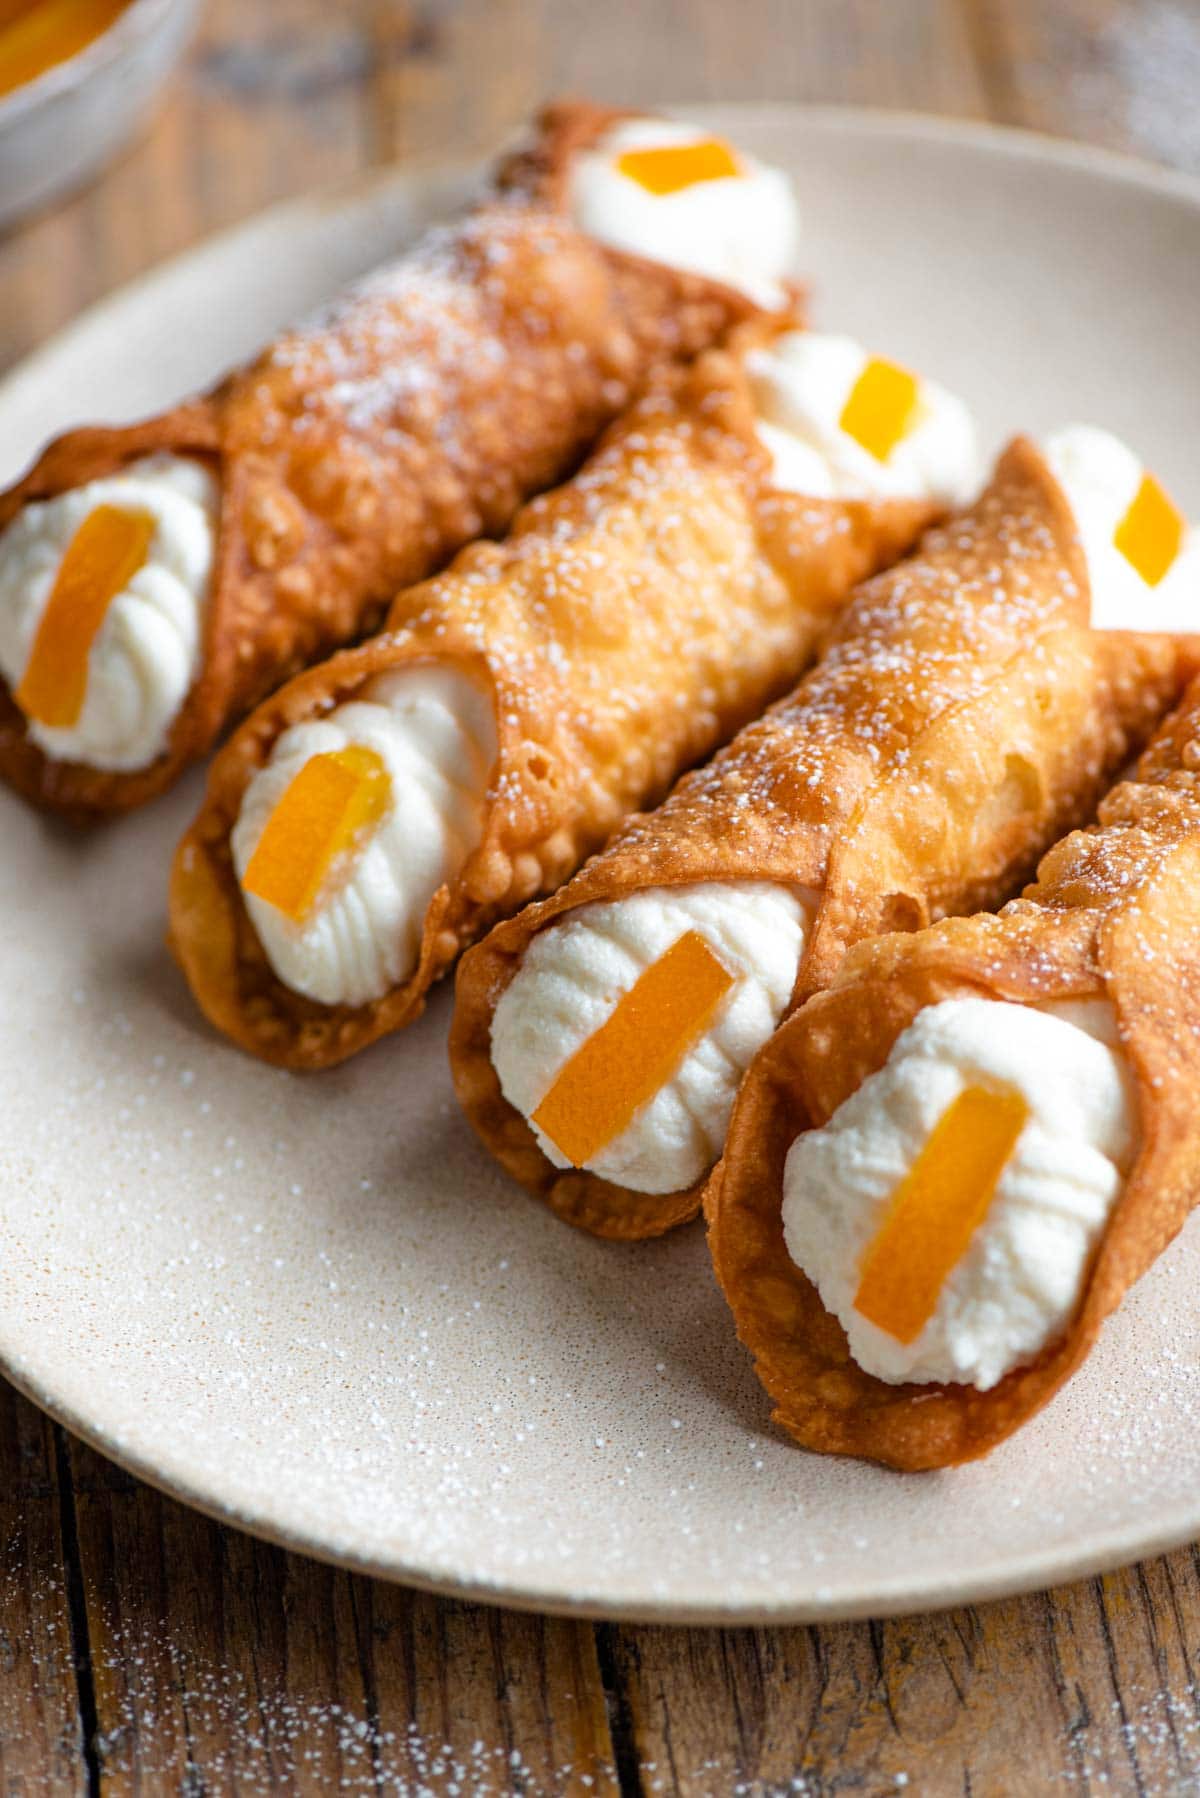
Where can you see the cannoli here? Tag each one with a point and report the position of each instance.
(157, 580)
(945, 1172)
(529, 698)
(970, 707)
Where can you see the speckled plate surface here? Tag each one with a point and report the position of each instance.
(311, 1306)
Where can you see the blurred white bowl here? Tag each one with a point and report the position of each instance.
(56, 129)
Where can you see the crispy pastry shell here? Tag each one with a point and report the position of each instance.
(964, 715)
(633, 620)
(361, 450)
(1113, 914)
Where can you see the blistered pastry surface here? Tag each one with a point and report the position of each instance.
(1111, 915)
(876, 781)
(362, 449)
(632, 621)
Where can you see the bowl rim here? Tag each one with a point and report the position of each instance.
(136, 20)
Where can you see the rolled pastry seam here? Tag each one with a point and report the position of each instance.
(352, 458)
(1101, 1177)
(632, 621)
(964, 715)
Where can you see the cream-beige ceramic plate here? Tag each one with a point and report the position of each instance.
(312, 1306)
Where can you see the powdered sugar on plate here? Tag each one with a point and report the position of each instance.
(314, 1306)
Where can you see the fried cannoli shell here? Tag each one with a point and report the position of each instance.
(1113, 914)
(922, 768)
(633, 620)
(359, 452)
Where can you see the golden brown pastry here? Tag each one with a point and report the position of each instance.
(965, 713)
(521, 705)
(157, 580)
(944, 1173)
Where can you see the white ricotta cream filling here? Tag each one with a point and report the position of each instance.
(575, 972)
(435, 732)
(1015, 1288)
(1100, 476)
(146, 653)
(740, 229)
(801, 385)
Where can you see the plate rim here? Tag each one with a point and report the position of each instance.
(899, 1596)
(1094, 1556)
(1015, 140)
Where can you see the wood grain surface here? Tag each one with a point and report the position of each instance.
(144, 1649)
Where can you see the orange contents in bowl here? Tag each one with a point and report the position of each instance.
(35, 35)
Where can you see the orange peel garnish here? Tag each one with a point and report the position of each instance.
(1151, 533)
(672, 167)
(101, 559)
(324, 816)
(937, 1208)
(635, 1051)
(879, 412)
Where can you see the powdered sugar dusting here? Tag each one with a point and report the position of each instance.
(318, 1304)
(419, 296)
(930, 636)
(228, 1344)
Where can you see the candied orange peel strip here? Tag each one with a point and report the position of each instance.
(879, 412)
(1151, 533)
(937, 1208)
(101, 559)
(635, 1051)
(324, 816)
(672, 167)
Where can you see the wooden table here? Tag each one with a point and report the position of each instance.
(143, 1649)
